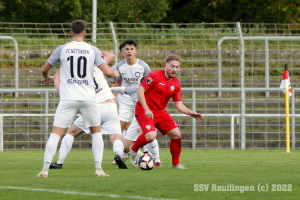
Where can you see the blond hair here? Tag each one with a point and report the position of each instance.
(173, 57)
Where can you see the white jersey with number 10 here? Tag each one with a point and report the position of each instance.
(77, 70)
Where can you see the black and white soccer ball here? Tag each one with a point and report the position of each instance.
(146, 162)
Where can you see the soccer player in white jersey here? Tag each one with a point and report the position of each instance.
(110, 123)
(131, 70)
(134, 129)
(77, 92)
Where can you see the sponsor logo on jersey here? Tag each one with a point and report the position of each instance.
(172, 87)
(161, 84)
(149, 80)
(137, 74)
(148, 127)
(123, 74)
(51, 56)
(101, 55)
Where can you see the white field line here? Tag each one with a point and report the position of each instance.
(80, 193)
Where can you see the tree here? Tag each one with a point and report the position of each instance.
(60, 11)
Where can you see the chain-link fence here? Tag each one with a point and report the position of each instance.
(197, 44)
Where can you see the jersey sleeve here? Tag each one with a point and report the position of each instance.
(99, 59)
(177, 95)
(149, 81)
(146, 67)
(55, 56)
(113, 79)
(117, 67)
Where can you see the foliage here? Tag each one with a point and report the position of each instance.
(60, 11)
(256, 11)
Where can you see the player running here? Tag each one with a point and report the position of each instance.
(110, 123)
(134, 129)
(154, 94)
(77, 93)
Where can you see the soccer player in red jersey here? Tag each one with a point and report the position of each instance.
(154, 94)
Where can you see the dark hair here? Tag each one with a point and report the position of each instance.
(121, 46)
(78, 26)
(142, 79)
(130, 42)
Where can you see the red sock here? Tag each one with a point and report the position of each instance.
(140, 142)
(175, 148)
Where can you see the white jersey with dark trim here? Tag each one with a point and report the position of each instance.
(102, 89)
(77, 70)
(131, 75)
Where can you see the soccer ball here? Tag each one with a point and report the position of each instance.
(146, 162)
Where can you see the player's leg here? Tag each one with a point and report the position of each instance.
(169, 127)
(65, 112)
(118, 148)
(131, 136)
(126, 114)
(67, 142)
(110, 125)
(91, 114)
(154, 150)
(175, 147)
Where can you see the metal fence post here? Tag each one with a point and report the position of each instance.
(243, 95)
(232, 132)
(267, 65)
(115, 41)
(94, 21)
(16, 62)
(46, 112)
(194, 120)
(220, 66)
(293, 121)
(1, 132)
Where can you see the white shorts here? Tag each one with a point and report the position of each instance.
(126, 111)
(132, 133)
(110, 123)
(67, 110)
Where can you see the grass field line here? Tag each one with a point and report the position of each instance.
(80, 193)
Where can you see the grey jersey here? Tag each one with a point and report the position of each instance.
(132, 92)
(131, 75)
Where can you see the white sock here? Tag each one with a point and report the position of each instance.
(65, 148)
(124, 133)
(50, 150)
(97, 148)
(139, 153)
(118, 147)
(154, 149)
(146, 148)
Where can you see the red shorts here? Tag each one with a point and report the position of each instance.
(162, 121)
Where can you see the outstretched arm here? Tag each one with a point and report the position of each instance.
(108, 71)
(183, 109)
(118, 89)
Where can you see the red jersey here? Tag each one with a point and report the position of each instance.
(159, 91)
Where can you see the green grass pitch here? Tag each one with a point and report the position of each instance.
(273, 170)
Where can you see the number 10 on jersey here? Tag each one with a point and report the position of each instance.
(79, 62)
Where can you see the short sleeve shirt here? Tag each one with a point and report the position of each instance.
(77, 70)
(159, 90)
(131, 75)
